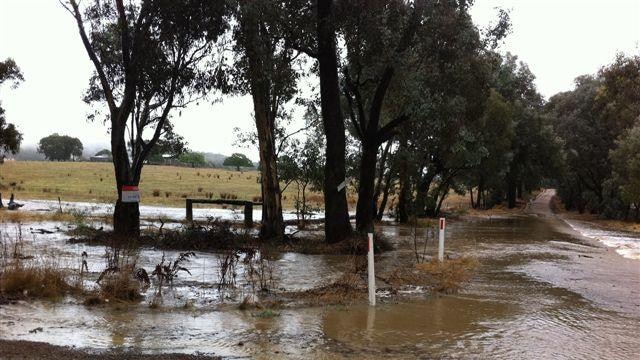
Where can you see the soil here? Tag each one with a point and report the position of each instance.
(13, 350)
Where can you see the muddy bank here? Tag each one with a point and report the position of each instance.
(18, 350)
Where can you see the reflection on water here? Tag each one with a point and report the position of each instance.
(515, 307)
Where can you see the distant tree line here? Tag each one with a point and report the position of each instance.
(599, 125)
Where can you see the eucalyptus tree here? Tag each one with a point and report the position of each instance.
(419, 64)
(591, 119)
(10, 137)
(265, 69)
(150, 57)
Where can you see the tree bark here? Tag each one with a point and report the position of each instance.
(365, 211)
(261, 88)
(385, 195)
(126, 216)
(381, 172)
(336, 225)
(511, 192)
(405, 185)
(272, 226)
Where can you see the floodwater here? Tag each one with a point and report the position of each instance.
(200, 211)
(541, 291)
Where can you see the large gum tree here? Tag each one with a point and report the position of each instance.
(150, 57)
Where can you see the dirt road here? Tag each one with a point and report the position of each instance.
(596, 272)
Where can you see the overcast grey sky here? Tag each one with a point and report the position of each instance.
(559, 39)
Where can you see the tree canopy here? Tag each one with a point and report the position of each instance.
(60, 147)
(238, 160)
(10, 137)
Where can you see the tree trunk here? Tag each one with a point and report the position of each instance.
(262, 92)
(126, 219)
(511, 192)
(272, 226)
(405, 187)
(126, 216)
(385, 195)
(520, 190)
(473, 204)
(365, 211)
(381, 169)
(442, 197)
(336, 225)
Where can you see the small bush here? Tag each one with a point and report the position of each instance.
(155, 192)
(167, 194)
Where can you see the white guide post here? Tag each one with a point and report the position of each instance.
(441, 240)
(371, 273)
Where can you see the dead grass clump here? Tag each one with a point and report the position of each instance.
(449, 275)
(348, 289)
(120, 285)
(28, 216)
(19, 280)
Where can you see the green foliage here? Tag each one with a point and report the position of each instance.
(10, 137)
(304, 166)
(193, 158)
(60, 147)
(170, 144)
(594, 122)
(238, 160)
(625, 159)
(102, 152)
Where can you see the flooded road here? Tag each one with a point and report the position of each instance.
(541, 291)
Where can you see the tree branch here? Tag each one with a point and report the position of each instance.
(387, 131)
(108, 92)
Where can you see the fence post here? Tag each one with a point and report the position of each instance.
(371, 272)
(189, 210)
(441, 240)
(248, 214)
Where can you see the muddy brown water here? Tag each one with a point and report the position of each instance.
(530, 299)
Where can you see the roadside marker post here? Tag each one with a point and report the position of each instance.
(441, 240)
(371, 272)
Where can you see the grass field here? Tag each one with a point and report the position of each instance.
(159, 185)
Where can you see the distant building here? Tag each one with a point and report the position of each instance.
(100, 158)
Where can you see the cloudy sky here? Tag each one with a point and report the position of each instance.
(559, 39)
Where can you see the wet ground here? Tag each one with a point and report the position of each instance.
(542, 291)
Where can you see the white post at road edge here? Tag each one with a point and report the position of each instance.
(441, 240)
(371, 273)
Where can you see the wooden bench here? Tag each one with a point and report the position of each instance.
(248, 207)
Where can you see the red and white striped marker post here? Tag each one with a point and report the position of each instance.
(371, 272)
(441, 240)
